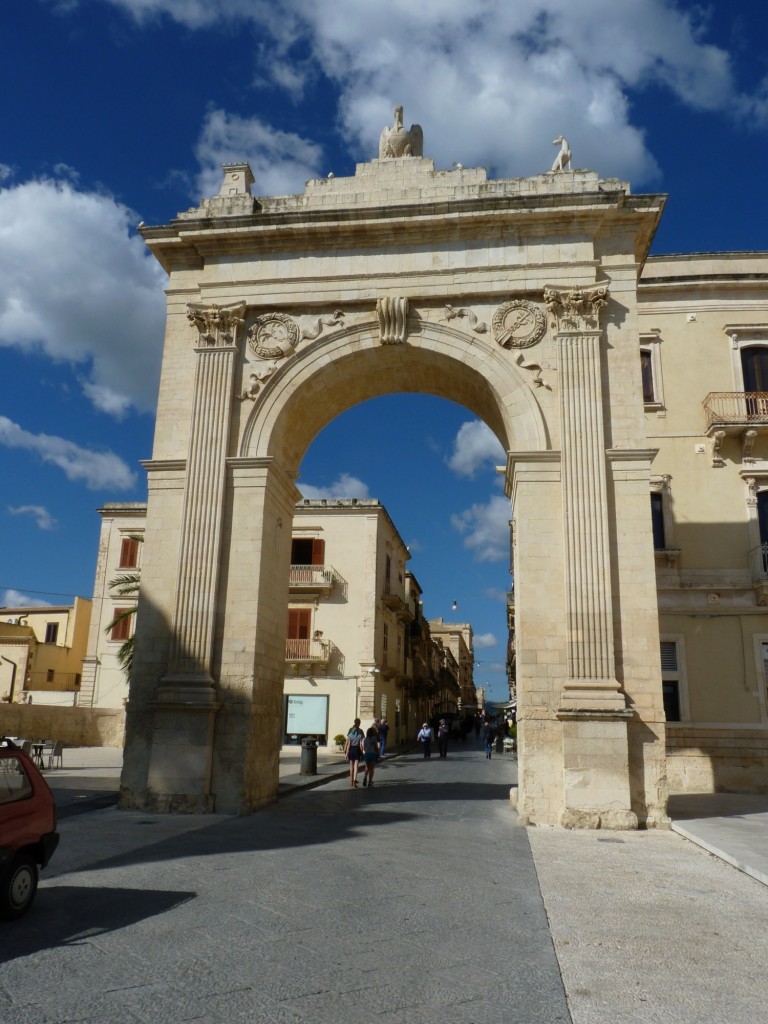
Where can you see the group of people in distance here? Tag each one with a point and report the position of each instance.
(367, 748)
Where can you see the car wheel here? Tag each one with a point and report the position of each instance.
(18, 888)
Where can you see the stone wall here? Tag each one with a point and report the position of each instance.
(77, 727)
(712, 760)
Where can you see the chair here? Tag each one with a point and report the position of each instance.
(55, 753)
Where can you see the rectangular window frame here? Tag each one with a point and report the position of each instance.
(51, 632)
(650, 345)
(129, 552)
(678, 675)
(122, 630)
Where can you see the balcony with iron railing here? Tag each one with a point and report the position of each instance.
(312, 652)
(734, 411)
(312, 578)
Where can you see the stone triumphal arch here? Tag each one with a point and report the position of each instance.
(515, 298)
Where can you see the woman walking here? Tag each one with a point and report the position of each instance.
(370, 755)
(353, 751)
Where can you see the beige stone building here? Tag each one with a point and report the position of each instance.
(41, 653)
(105, 684)
(703, 336)
(457, 638)
(351, 605)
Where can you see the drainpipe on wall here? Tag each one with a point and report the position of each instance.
(14, 667)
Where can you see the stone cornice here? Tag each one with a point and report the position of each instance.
(185, 244)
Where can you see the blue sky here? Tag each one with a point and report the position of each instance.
(121, 111)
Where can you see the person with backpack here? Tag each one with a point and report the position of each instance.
(353, 750)
(370, 754)
(425, 738)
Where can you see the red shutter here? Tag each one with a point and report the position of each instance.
(318, 552)
(299, 621)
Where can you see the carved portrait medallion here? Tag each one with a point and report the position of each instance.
(273, 335)
(518, 324)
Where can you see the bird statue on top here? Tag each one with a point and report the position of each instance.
(563, 158)
(400, 141)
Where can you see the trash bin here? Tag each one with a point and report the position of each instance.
(308, 756)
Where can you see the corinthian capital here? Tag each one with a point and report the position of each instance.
(217, 325)
(577, 309)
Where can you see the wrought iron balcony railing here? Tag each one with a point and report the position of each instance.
(312, 577)
(317, 652)
(723, 408)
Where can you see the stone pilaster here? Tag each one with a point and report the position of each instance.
(185, 707)
(194, 611)
(591, 673)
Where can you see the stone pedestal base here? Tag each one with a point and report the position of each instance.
(596, 790)
(182, 746)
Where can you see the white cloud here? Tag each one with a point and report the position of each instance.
(96, 469)
(346, 486)
(482, 640)
(5, 172)
(41, 515)
(492, 82)
(16, 599)
(485, 529)
(78, 286)
(495, 594)
(475, 446)
(281, 161)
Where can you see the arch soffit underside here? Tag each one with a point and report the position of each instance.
(334, 374)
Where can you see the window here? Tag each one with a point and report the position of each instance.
(646, 369)
(385, 643)
(51, 632)
(657, 520)
(129, 553)
(650, 371)
(672, 681)
(662, 522)
(754, 367)
(387, 574)
(49, 675)
(307, 551)
(121, 630)
(298, 646)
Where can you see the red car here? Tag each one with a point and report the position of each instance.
(28, 836)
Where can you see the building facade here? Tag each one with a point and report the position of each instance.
(41, 653)
(703, 338)
(350, 610)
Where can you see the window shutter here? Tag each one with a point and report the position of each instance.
(668, 656)
(318, 552)
(129, 553)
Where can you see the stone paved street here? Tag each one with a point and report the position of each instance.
(414, 902)
(417, 901)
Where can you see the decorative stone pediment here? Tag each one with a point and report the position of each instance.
(577, 309)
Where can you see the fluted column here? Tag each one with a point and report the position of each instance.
(591, 672)
(198, 573)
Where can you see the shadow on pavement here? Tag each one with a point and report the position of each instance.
(64, 915)
(330, 816)
(690, 806)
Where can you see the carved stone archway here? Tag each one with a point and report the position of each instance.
(514, 299)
